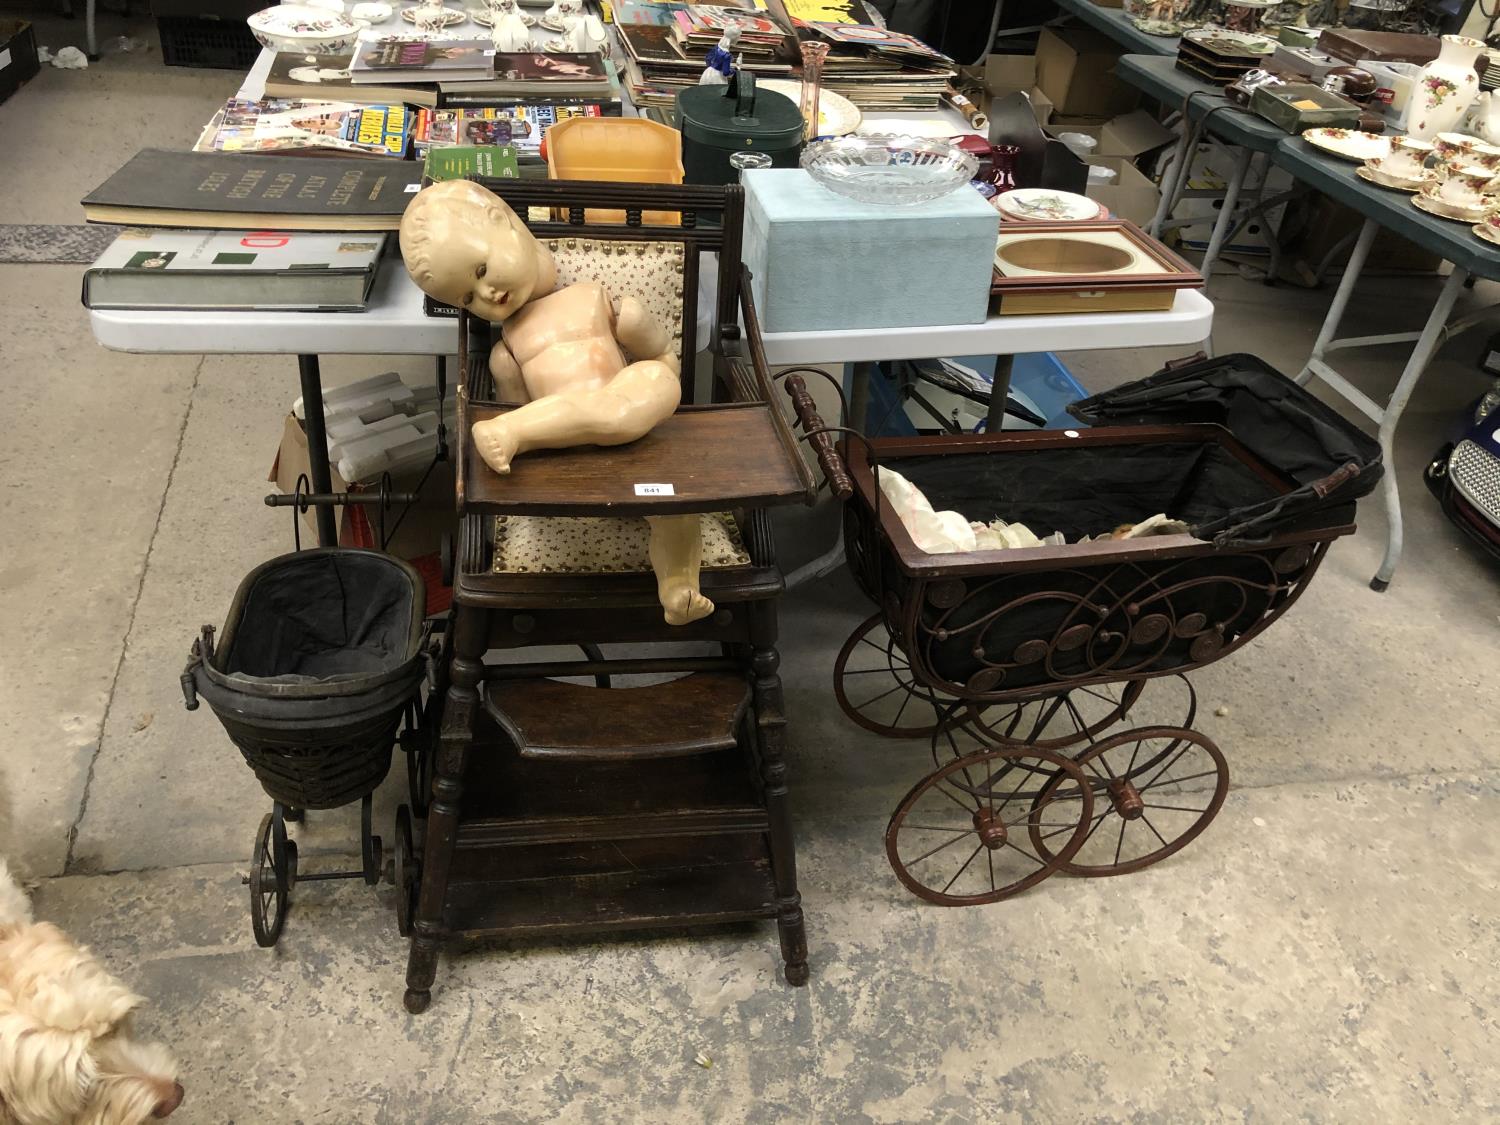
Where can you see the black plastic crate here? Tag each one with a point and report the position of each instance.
(217, 44)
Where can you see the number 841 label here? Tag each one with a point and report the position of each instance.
(654, 490)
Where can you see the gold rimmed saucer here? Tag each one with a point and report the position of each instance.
(1429, 201)
(1396, 183)
(1487, 233)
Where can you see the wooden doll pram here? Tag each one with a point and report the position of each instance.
(1018, 663)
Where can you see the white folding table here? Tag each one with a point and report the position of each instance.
(394, 324)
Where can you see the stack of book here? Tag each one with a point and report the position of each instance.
(291, 126)
(665, 42)
(879, 69)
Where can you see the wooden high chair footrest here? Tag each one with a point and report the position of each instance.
(697, 714)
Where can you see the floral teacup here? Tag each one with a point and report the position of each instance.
(1485, 156)
(1451, 148)
(1466, 186)
(1407, 158)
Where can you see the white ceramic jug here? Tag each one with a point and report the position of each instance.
(1445, 88)
(1487, 117)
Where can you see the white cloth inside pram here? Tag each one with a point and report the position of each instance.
(949, 532)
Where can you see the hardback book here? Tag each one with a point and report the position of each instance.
(458, 97)
(238, 191)
(541, 76)
(297, 75)
(407, 60)
(455, 162)
(266, 270)
(294, 126)
(521, 126)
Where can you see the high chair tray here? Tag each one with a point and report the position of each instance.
(701, 459)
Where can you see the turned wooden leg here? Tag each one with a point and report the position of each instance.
(770, 727)
(470, 633)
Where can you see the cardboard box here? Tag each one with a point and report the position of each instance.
(18, 61)
(1209, 171)
(1008, 74)
(420, 531)
(1131, 196)
(1075, 69)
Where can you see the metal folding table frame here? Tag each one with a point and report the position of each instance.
(1453, 241)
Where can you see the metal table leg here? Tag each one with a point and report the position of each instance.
(1226, 213)
(90, 35)
(859, 394)
(999, 394)
(317, 444)
(1427, 343)
(1352, 270)
(1174, 179)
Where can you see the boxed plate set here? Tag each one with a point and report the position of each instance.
(1220, 56)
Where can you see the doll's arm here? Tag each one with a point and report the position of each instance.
(509, 385)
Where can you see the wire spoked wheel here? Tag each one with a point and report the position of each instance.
(1152, 791)
(1058, 721)
(272, 872)
(873, 682)
(963, 835)
(405, 872)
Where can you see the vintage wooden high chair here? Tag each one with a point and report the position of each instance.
(560, 807)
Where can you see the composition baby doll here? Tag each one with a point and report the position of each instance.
(560, 356)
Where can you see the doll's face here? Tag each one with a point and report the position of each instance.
(485, 265)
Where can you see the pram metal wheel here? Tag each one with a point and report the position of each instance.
(1152, 789)
(406, 872)
(272, 871)
(1078, 715)
(1056, 722)
(873, 682)
(962, 836)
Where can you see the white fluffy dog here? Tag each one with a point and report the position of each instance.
(66, 1052)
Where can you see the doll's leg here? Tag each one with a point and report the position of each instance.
(675, 552)
(509, 386)
(641, 334)
(623, 409)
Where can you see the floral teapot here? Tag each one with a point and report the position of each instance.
(1487, 117)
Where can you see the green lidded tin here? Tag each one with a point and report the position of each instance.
(718, 121)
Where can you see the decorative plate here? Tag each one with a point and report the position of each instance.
(891, 127)
(1396, 183)
(553, 24)
(1227, 42)
(837, 115)
(1349, 144)
(1044, 205)
(1428, 200)
(303, 29)
(486, 18)
(448, 16)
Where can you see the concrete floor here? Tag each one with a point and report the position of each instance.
(1324, 952)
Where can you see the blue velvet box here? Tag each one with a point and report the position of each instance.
(822, 261)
